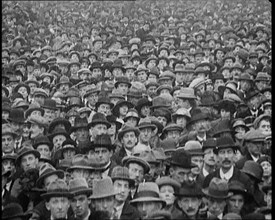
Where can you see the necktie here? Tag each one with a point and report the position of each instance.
(115, 214)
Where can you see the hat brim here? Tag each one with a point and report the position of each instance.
(131, 181)
(148, 199)
(49, 195)
(95, 122)
(40, 180)
(189, 166)
(128, 159)
(81, 191)
(35, 152)
(121, 133)
(206, 192)
(102, 195)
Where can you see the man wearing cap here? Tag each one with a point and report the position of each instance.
(128, 136)
(80, 202)
(263, 124)
(37, 126)
(8, 139)
(253, 143)
(225, 151)
(122, 184)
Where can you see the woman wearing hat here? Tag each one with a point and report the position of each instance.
(23, 89)
(120, 110)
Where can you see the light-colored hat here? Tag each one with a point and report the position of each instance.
(197, 82)
(166, 180)
(103, 188)
(181, 112)
(217, 188)
(187, 93)
(79, 186)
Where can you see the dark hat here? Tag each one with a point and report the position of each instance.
(253, 169)
(58, 188)
(225, 142)
(41, 139)
(104, 100)
(112, 119)
(189, 191)
(119, 104)
(79, 186)
(47, 170)
(197, 115)
(237, 187)
(121, 173)
(19, 85)
(135, 159)
(125, 129)
(159, 102)
(103, 140)
(58, 121)
(217, 188)
(24, 151)
(168, 145)
(13, 211)
(58, 131)
(122, 79)
(49, 104)
(182, 158)
(79, 123)
(117, 64)
(16, 115)
(142, 102)
(34, 107)
(99, 118)
(209, 143)
(63, 80)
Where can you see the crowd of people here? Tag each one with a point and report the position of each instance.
(136, 110)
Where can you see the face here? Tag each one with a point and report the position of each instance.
(40, 99)
(132, 121)
(174, 135)
(80, 205)
(136, 172)
(254, 148)
(181, 120)
(23, 91)
(58, 206)
(151, 91)
(198, 160)
(235, 203)
(265, 127)
(166, 192)
(129, 140)
(122, 189)
(145, 134)
(266, 168)
(123, 88)
(44, 150)
(216, 206)
(58, 141)
(82, 134)
(98, 130)
(103, 155)
(123, 110)
(148, 207)
(189, 205)
(218, 82)
(142, 76)
(182, 103)
(49, 114)
(182, 175)
(49, 179)
(104, 109)
(9, 165)
(105, 204)
(8, 143)
(226, 157)
(92, 98)
(29, 161)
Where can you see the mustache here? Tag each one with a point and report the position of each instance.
(226, 161)
(190, 210)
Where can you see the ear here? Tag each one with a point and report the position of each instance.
(47, 206)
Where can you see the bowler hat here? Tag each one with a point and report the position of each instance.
(99, 118)
(124, 80)
(58, 188)
(50, 104)
(182, 158)
(58, 131)
(63, 80)
(194, 148)
(103, 188)
(237, 187)
(104, 100)
(16, 115)
(225, 142)
(14, 211)
(47, 170)
(217, 188)
(168, 145)
(253, 169)
(79, 186)
(122, 173)
(42, 139)
(103, 140)
(189, 191)
(126, 128)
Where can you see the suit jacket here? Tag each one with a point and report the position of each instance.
(237, 175)
(117, 156)
(129, 212)
(240, 163)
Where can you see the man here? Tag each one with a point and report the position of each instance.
(98, 125)
(49, 110)
(80, 201)
(122, 184)
(180, 167)
(263, 124)
(80, 129)
(209, 158)
(103, 197)
(128, 136)
(27, 158)
(104, 106)
(225, 151)
(217, 194)
(253, 143)
(146, 129)
(37, 126)
(57, 199)
(147, 199)
(8, 139)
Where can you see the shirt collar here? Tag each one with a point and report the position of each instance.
(228, 174)
(254, 158)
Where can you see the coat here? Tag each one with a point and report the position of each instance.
(240, 163)
(118, 156)
(129, 212)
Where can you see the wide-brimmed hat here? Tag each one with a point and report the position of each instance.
(79, 123)
(148, 192)
(119, 104)
(225, 142)
(126, 128)
(166, 180)
(58, 188)
(47, 170)
(189, 191)
(34, 107)
(58, 131)
(182, 158)
(217, 188)
(64, 80)
(103, 188)
(81, 161)
(7, 129)
(260, 118)
(103, 140)
(254, 135)
(146, 123)
(65, 122)
(187, 93)
(24, 151)
(13, 211)
(142, 102)
(122, 173)
(124, 80)
(16, 115)
(42, 139)
(99, 118)
(79, 186)
(237, 187)
(253, 169)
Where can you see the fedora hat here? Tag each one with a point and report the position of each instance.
(189, 191)
(197, 114)
(92, 89)
(58, 131)
(172, 127)
(117, 64)
(79, 123)
(47, 170)
(79, 186)
(60, 121)
(237, 187)
(126, 128)
(159, 102)
(80, 161)
(14, 211)
(16, 115)
(64, 80)
(104, 100)
(187, 93)
(99, 118)
(221, 127)
(119, 104)
(182, 158)
(42, 139)
(148, 192)
(121, 173)
(103, 140)
(253, 169)
(24, 151)
(217, 188)
(225, 142)
(50, 104)
(58, 188)
(103, 188)
(166, 180)
(231, 85)
(146, 123)
(8, 130)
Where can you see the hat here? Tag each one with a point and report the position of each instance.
(254, 135)
(65, 122)
(168, 145)
(63, 80)
(262, 76)
(58, 188)
(79, 186)
(181, 112)
(104, 100)
(16, 115)
(99, 118)
(126, 128)
(39, 120)
(103, 188)
(253, 169)
(80, 161)
(225, 142)
(245, 76)
(148, 192)
(79, 123)
(132, 112)
(122, 79)
(49, 104)
(231, 85)
(182, 158)
(187, 93)
(25, 151)
(189, 191)
(197, 114)
(40, 91)
(113, 120)
(160, 101)
(134, 159)
(103, 140)
(260, 118)
(19, 85)
(237, 187)
(47, 170)
(13, 211)
(42, 139)
(172, 127)
(92, 89)
(34, 107)
(166, 180)
(146, 123)
(240, 122)
(7, 129)
(121, 173)
(209, 143)
(119, 104)
(194, 148)
(217, 188)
